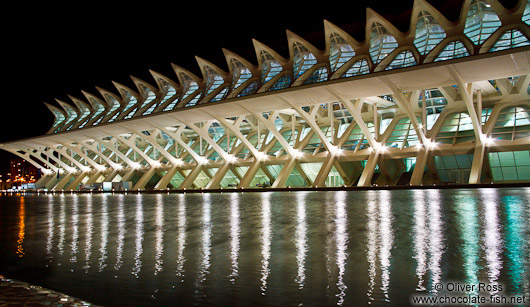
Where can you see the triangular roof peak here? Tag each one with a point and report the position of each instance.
(203, 63)
(293, 37)
(374, 17)
(105, 93)
(139, 83)
(180, 70)
(330, 28)
(65, 106)
(91, 98)
(54, 108)
(122, 89)
(231, 55)
(79, 103)
(158, 77)
(259, 46)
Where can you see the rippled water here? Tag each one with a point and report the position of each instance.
(272, 248)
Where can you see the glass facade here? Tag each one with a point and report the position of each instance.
(452, 50)
(512, 123)
(303, 60)
(481, 21)
(510, 39)
(381, 43)
(428, 33)
(510, 165)
(270, 67)
(358, 68)
(340, 52)
(453, 168)
(403, 59)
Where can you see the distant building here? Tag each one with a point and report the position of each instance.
(21, 171)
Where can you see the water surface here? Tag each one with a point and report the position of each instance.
(271, 248)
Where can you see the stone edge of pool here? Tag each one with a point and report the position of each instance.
(18, 293)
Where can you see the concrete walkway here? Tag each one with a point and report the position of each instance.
(18, 293)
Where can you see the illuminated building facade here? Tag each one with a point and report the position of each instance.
(447, 102)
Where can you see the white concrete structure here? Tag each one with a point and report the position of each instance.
(447, 102)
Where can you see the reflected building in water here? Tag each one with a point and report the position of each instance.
(206, 244)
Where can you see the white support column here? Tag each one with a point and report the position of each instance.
(466, 91)
(144, 179)
(419, 168)
(368, 171)
(164, 181)
(115, 166)
(78, 179)
(269, 124)
(405, 105)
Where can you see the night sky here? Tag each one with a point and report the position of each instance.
(53, 51)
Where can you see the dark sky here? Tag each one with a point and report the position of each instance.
(51, 51)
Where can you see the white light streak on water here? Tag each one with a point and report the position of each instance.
(205, 264)
(435, 229)
(265, 239)
(89, 232)
(341, 241)
(51, 226)
(492, 238)
(372, 243)
(159, 236)
(301, 239)
(420, 238)
(104, 229)
(75, 228)
(234, 236)
(386, 235)
(181, 238)
(121, 233)
(139, 219)
(62, 225)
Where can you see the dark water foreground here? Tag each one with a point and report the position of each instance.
(273, 248)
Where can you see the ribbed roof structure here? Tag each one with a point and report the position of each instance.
(484, 26)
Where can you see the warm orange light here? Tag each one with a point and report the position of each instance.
(21, 227)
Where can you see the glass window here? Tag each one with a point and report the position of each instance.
(283, 82)
(170, 92)
(403, 135)
(271, 68)
(303, 59)
(456, 128)
(250, 89)
(340, 52)
(59, 118)
(512, 123)
(452, 50)
(454, 168)
(428, 33)
(213, 80)
(403, 59)
(510, 39)
(319, 75)
(481, 21)
(71, 115)
(240, 73)
(130, 104)
(510, 166)
(358, 68)
(526, 14)
(381, 43)
(434, 101)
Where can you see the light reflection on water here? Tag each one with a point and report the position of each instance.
(271, 248)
